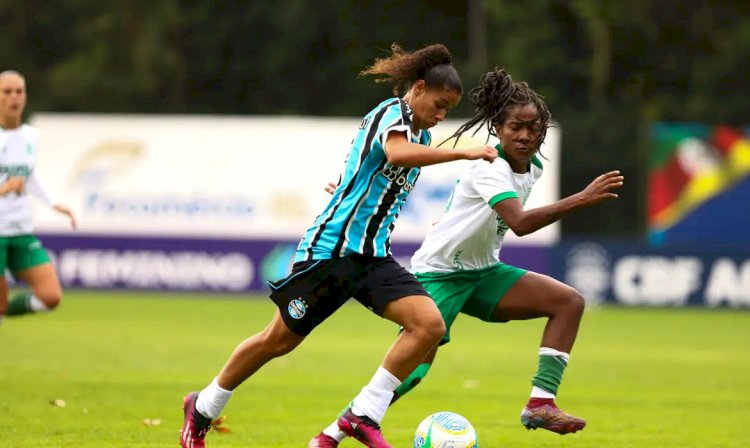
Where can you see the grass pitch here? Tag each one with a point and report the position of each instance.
(641, 377)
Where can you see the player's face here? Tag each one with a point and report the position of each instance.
(430, 106)
(519, 135)
(12, 96)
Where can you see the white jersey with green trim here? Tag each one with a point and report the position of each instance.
(17, 155)
(470, 233)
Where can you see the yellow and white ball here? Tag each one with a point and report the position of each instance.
(445, 430)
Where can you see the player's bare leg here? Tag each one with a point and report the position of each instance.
(254, 352)
(45, 295)
(423, 327)
(535, 296)
(200, 409)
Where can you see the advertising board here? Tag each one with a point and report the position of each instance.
(640, 274)
(260, 177)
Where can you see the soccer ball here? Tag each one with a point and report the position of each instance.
(445, 430)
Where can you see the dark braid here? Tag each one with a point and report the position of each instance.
(495, 94)
(431, 64)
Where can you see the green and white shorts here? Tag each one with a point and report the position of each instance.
(475, 292)
(18, 253)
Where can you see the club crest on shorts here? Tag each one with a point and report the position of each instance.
(297, 308)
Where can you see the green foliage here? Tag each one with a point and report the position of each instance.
(303, 57)
(641, 377)
(610, 68)
(637, 61)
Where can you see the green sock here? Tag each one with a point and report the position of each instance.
(19, 304)
(351, 403)
(411, 381)
(549, 373)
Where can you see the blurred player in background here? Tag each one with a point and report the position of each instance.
(20, 251)
(346, 252)
(459, 265)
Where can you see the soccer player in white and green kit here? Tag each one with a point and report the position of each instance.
(459, 261)
(459, 264)
(20, 251)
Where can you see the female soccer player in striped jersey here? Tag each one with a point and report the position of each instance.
(346, 251)
(20, 251)
(458, 262)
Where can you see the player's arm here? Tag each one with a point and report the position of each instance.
(523, 222)
(37, 188)
(401, 152)
(40, 191)
(13, 184)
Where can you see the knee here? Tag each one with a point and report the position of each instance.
(574, 302)
(433, 327)
(427, 327)
(51, 298)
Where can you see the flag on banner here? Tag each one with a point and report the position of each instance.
(699, 184)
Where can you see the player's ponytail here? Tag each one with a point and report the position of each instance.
(431, 64)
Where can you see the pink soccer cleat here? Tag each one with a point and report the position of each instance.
(195, 426)
(323, 441)
(363, 429)
(544, 413)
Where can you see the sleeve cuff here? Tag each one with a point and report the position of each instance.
(501, 197)
(397, 128)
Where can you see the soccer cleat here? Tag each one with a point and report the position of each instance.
(544, 413)
(363, 429)
(323, 441)
(195, 426)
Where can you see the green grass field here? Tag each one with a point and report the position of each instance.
(641, 377)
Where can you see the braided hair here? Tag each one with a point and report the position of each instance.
(402, 68)
(495, 94)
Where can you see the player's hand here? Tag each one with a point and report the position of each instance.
(14, 184)
(68, 212)
(601, 188)
(330, 188)
(485, 152)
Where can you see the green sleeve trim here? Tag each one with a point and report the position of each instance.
(535, 160)
(500, 152)
(501, 197)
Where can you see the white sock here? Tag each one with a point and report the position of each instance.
(552, 352)
(373, 399)
(212, 399)
(334, 432)
(37, 305)
(538, 392)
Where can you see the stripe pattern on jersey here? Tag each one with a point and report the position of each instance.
(361, 214)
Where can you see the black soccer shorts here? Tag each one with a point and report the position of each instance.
(316, 289)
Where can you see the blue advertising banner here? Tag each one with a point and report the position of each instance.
(201, 264)
(639, 274)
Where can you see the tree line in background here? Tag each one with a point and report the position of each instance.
(608, 68)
